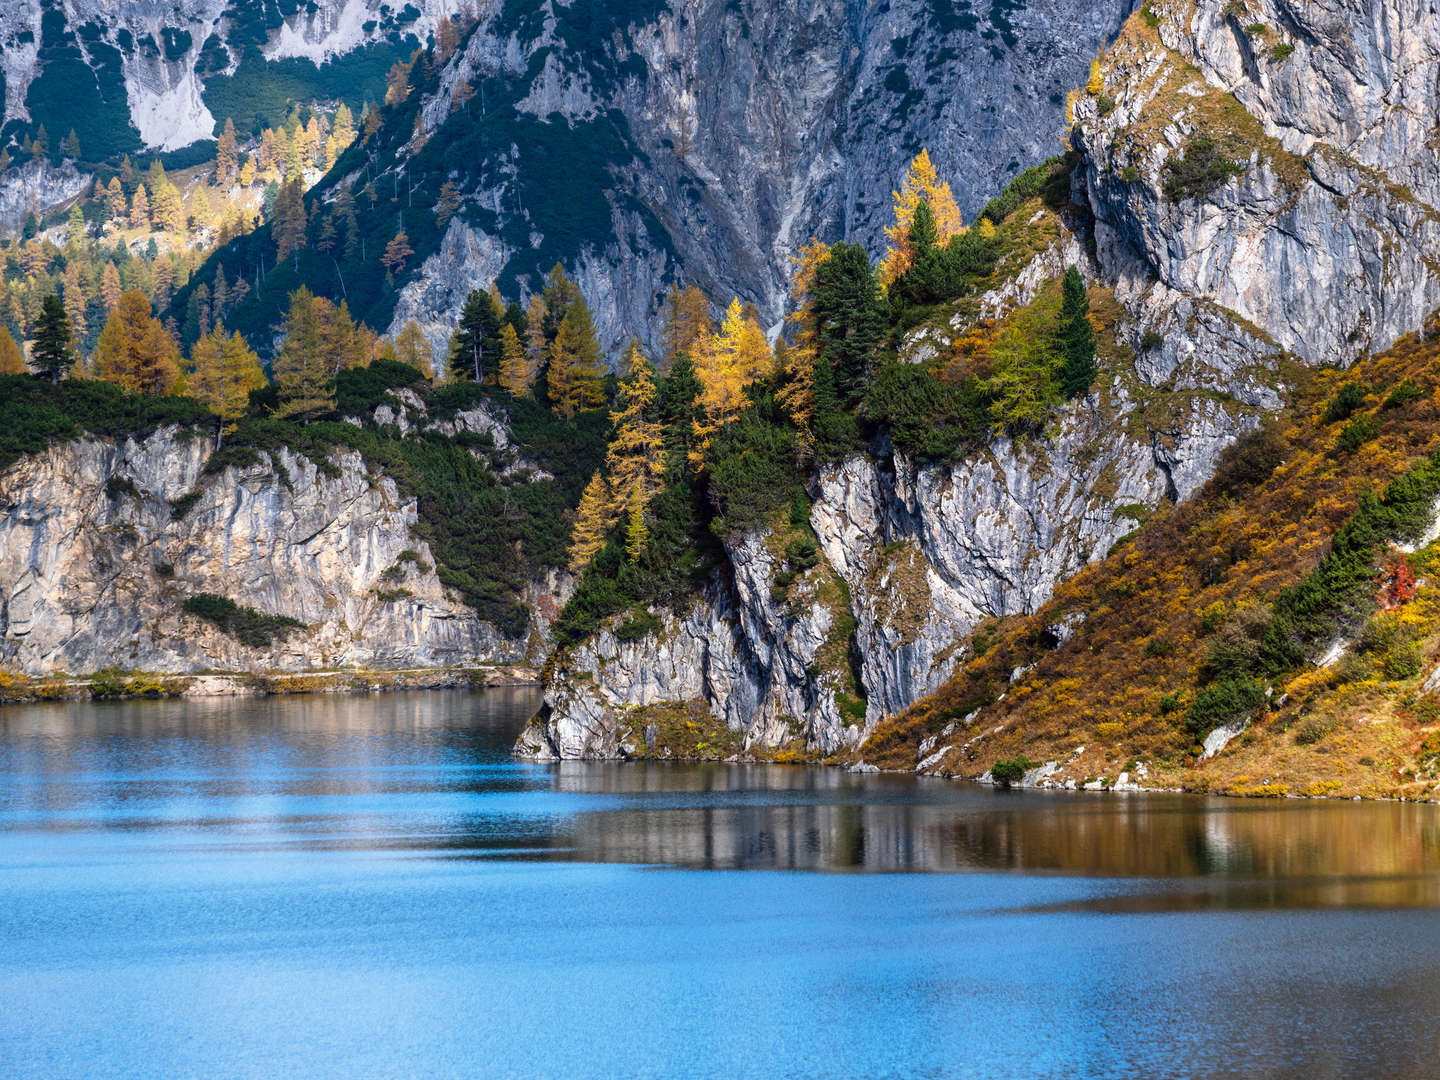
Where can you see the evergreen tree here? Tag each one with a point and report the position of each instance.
(1076, 338)
(12, 359)
(679, 398)
(289, 221)
(305, 386)
(135, 351)
(70, 146)
(475, 346)
(51, 353)
(921, 184)
(849, 316)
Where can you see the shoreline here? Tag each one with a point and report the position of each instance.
(120, 685)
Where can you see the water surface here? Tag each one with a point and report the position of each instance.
(372, 887)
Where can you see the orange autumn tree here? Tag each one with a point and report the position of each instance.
(921, 184)
(135, 351)
(797, 394)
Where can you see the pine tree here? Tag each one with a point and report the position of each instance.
(475, 346)
(517, 372)
(135, 351)
(224, 371)
(12, 359)
(51, 353)
(849, 317)
(559, 293)
(1076, 337)
(70, 146)
(595, 518)
(110, 287)
(921, 184)
(305, 386)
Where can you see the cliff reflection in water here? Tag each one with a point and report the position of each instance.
(430, 775)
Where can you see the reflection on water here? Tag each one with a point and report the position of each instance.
(430, 774)
(372, 887)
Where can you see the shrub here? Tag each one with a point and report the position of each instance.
(1151, 340)
(1151, 19)
(1403, 394)
(185, 503)
(1159, 645)
(1281, 51)
(1105, 103)
(1357, 433)
(244, 624)
(1314, 728)
(927, 417)
(1203, 169)
(639, 625)
(1248, 461)
(1349, 398)
(1224, 703)
(1172, 702)
(1010, 771)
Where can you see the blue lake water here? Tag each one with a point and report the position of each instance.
(371, 887)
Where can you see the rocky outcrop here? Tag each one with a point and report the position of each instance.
(36, 187)
(102, 542)
(1324, 238)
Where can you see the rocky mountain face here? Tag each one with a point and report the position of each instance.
(1307, 235)
(698, 141)
(103, 541)
(128, 75)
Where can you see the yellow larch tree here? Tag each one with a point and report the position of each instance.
(921, 184)
(597, 514)
(635, 459)
(412, 347)
(224, 371)
(517, 369)
(687, 321)
(733, 358)
(135, 351)
(12, 359)
(797, 392)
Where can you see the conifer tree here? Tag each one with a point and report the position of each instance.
(115, 197)
(224, 371)
(140, 209)
(536, 343)
(797, 390)
(475, 346)
(135, 351)
(51, 353)
(397, 83)
(687, 321)
(290, 221)
(637, 533)
(635, 459)
(921, 184)
(12, 358)
(447, 204)
(735, 356)
(397, 252)
(576, 375)
(226, 154)
(413, 348)
(559, 292)
(595, 518)
(40, 146)
(517, 371)
(849, 317)
(1076, 337)
(70, 146)
(305, 386)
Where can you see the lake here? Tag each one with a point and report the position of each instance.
(372, 887)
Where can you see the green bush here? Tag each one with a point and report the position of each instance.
(1357, 433)
(1203, 169)
(1404, 393)
(926, 417)
(1010, 771)
(1151, 340)
(639, 625)
(1224, 703)
(1159, 646)
(1346, 400)
(244, 624)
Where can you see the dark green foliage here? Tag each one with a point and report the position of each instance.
(752, 469)
(1403, 394)
(475, 349)
(69, 94)
(1151, 339)
(1076, 337)
(51, 354)
(837, 432)
(926, 417)
(1050, 180)
(1010, 771)
(1357, 433)
(359, 390)
(181, 506)
(1223, 703)
(1159, 646)
(639, 625)
(942, 273)
(244, 624)
(1203, 169)
(1349, 398)
(33, 413)
(850, 317)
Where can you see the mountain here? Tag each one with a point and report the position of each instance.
(1238, 218)
(699, 142)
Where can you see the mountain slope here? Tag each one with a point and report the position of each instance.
(695, 141)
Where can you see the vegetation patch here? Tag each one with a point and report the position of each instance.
(244, 624)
